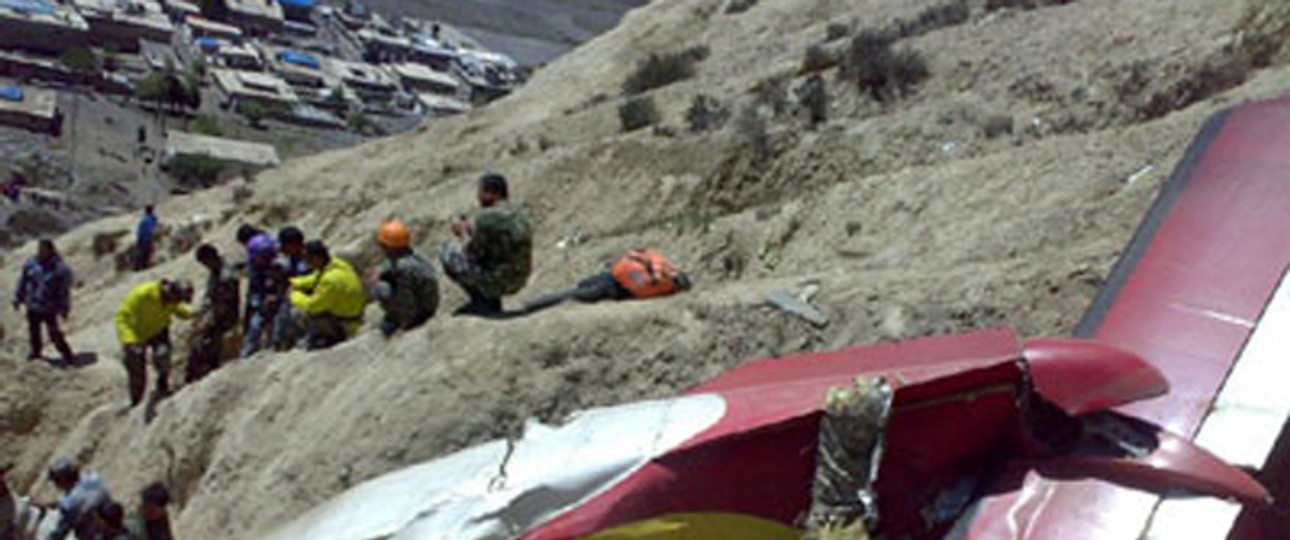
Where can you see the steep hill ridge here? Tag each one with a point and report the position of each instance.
(910, 215)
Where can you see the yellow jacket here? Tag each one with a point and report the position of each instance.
(336, 291)
(143, 315)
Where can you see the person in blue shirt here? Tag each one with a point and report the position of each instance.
(45, 289)
(144, 239)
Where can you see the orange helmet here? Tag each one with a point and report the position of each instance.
(394, 235)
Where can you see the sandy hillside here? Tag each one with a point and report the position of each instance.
(916, 216)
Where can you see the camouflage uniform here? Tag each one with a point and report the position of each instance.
(499, 257)
(218, 317)
(408, 291)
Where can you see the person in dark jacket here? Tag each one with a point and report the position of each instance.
(405, 284)
(218, 315)
(45, 289)
(266, 290)
(153, 522)
(291, 241)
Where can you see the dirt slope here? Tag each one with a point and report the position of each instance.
(911, 216)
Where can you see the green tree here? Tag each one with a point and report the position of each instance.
(207, 125)
(154, 88)
(254, 112)
(198, 170)
(78, 59)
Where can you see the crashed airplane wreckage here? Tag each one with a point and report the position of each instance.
(971, 436)
(735, 458)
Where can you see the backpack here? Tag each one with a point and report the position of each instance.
(646, 273)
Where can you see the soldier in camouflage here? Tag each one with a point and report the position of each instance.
(497, 255)
(218, 316)
(405, 284)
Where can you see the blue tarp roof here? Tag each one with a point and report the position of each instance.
(30, 6)
(297, 3)
(298, 58)
(207, 42)
(11, 93)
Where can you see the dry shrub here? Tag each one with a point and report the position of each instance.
(992, 5)
(813, 96)
(706, 113)
(835, 31)
(659, 70)
(885, 73)
(739, 6)
(637, 113)
(819, 58)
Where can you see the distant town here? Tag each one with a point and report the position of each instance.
(205, 89)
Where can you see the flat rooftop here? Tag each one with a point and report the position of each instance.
(389, 41)
(254, 84)
(41, 12)
(35, 102)
(215, 28)
(180, 6)
(420, 72)
(179, 143)
(145, 13)
(242, 50)
(273, 55)
(360, 73)
(263, 9)
(443, 104)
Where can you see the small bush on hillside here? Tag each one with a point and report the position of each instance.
(996, 126)
(991, 5)
(953, 13)
(836, 31)
(813, 96)
(739, 6)
(876, 68)
(773, 93)
(659, 70)
(819, 58)
(638, 112)
(706, 113)
(751, 128)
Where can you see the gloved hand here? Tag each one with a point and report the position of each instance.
(64, 315)
(17, 306)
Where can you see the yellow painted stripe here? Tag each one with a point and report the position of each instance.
(699, 526)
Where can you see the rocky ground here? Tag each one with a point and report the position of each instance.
(998, 191)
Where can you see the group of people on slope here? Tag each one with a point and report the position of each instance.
(298, 294)
(85, 509)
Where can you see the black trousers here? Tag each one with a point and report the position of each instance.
(48, 321)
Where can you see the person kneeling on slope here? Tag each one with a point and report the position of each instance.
(497, 255)
(331, 300)
(405, 284)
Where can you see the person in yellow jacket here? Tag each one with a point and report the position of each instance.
(142, 323)
(331, 299)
